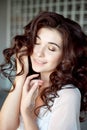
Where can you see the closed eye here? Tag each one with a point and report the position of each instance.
(37, 43)
(51, 48)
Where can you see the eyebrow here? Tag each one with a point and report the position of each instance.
(50, 42)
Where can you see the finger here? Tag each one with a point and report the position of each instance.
(29, 78)
(33, 89)
(22, 61)
(22, 51)
(27, 82)
(32, 82)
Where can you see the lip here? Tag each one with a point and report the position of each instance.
(39, 62)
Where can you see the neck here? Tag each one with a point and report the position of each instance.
(45, 79)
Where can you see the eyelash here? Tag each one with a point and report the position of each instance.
(37, 43)
(50, 48)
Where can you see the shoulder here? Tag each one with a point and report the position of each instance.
(69, 91)
(68, 96)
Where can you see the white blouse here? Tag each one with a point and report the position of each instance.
(64, 114)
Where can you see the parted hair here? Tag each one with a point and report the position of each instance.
(73, 66)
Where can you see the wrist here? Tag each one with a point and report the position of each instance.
(29, 121)
(19, 81)
(27, 112)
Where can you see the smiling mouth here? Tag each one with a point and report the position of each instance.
(39, 62)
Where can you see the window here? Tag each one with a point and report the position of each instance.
(22, 11)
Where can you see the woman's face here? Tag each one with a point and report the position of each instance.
(47, 51)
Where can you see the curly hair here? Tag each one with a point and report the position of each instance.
(73, 66)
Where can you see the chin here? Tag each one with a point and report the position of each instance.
(36, 69)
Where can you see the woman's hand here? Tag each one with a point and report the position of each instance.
(29, 93)
(24, 59)
(12, 103)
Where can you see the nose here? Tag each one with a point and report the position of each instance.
(40, 52)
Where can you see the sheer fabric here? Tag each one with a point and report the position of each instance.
(64, 114)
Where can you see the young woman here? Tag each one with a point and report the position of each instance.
(50, 87)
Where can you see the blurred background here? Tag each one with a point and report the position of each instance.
(15, 14)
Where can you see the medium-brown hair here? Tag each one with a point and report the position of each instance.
(73, 66)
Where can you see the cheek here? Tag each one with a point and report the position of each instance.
(56, 59)
(36, 47)
(34, 51)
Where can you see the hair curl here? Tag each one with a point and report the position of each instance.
(73, 67)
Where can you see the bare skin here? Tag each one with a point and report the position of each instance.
(20, 100)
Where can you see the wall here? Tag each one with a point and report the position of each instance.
(3, 44)
(3, 22)
(5, 33)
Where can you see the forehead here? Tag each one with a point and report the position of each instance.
(49, 35)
